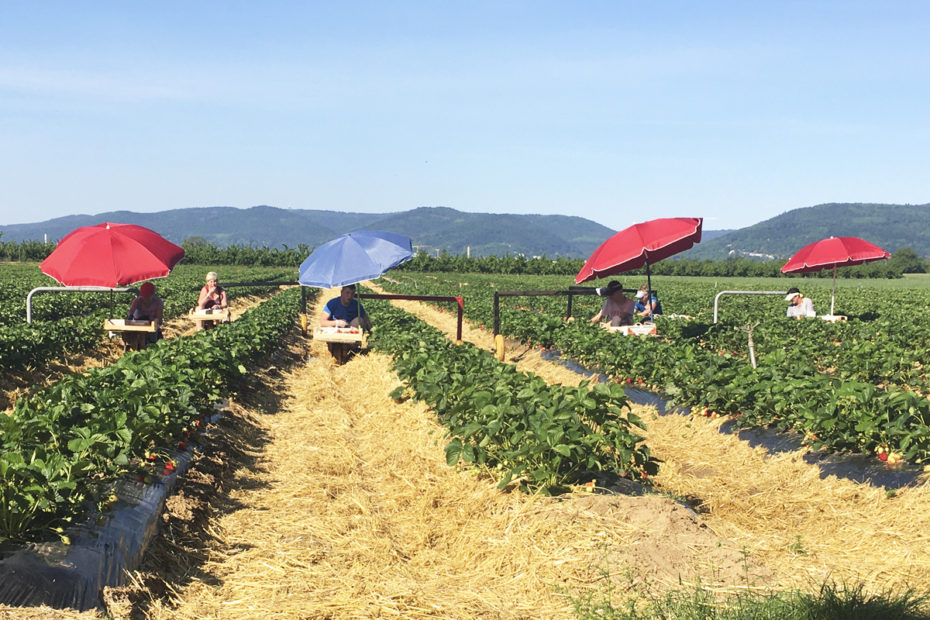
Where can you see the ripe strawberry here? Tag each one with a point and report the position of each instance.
(182, 445)
(629, 380)
(169, 465)
(883, 456)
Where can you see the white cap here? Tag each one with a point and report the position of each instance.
(640, 294)
(791, 296)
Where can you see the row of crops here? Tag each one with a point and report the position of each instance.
(857, 386)
(66, 322)
(62, 448)
(540, 436)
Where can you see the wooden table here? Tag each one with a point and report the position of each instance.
(210, 315)
(133, 332)
(341, 340)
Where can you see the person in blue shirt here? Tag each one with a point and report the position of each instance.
(345, 311)
(644, 307)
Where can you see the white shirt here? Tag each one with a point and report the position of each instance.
(805, 308)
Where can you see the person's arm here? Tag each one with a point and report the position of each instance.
(204, 296)
(363, 319)
(224, 300)
(132, 308)
(327, 319)
(159, 313)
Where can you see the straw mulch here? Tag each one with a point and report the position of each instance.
(350, 511)
(803, 525)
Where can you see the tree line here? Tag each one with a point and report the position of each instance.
(199, 252)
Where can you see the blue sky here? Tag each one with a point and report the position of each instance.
(617, 111)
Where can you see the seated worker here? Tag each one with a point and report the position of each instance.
(645, 308)
(147, 307)
(617, 308)
(212, 295)
(800, 305)
(345, 311)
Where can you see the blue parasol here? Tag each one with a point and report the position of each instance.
(354, 257)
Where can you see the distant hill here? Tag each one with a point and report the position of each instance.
(431, 228)
(886, 225)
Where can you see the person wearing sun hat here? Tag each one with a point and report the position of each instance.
(645, 308)
(801, 306)
(147, 307)
(617, 308)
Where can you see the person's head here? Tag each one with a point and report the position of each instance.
(147, 290)
(641, 294)
(613, 288)
(346, 294)
(211, 278)
(794, 296)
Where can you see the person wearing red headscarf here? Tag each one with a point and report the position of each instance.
(148, 307)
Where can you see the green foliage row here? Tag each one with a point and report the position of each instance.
(68, 322)
(544, 436)
(62, 448)
(854, 386)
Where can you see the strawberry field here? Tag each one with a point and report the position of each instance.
(64, 322)
(854, 386)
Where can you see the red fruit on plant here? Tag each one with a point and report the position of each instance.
(169, 465)
(883, 456)
(629, 380)
(152, 457)
(182, 445)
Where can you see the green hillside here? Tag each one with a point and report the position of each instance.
(886, 225)
(431, 228)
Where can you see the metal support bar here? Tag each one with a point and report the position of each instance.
(570, 293)
(460, 301)
(75, 289)
(717, 297)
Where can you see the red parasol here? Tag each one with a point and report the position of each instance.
(641, 244)
(111, 255)
(833, 252)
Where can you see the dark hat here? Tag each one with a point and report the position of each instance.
(147, 289)
(612, 287)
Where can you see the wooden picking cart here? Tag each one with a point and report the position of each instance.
(210, 315)
(133, 332)
(341, 341)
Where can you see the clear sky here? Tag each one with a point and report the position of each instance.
(619, 111)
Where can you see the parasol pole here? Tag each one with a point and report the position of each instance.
(649, 293)
(833, 295)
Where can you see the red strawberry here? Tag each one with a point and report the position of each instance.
(629, 380)
(883, 457)
(182, 445)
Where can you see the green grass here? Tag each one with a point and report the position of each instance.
(831, 602)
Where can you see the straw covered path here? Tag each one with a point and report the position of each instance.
(789, 514)
(345, 507)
